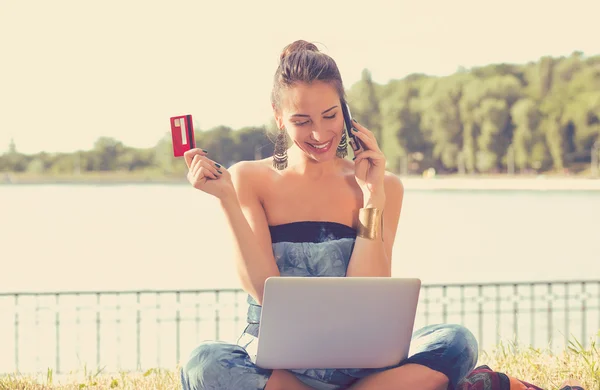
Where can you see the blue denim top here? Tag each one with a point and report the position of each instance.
(307, 249)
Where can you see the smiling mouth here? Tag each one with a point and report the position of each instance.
(321, 148)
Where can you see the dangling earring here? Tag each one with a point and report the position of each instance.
(342, 149)
(280, 152)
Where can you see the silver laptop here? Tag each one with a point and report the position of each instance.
(336, 322)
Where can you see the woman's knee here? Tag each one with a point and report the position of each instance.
(454, 339)
(449, 348)
(217, 365)
(463, 343)
(204, 366)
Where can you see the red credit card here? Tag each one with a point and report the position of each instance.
(182, 132)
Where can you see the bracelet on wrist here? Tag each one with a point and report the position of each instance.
(370, 223)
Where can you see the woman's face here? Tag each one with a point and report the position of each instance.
(312, 116)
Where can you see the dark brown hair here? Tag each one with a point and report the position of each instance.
(302, 62)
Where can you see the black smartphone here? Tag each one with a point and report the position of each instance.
(352, 139)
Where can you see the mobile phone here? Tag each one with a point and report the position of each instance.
(353, 140)
(182, 133)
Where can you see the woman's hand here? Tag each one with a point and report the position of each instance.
(206, 175)
(369, 165)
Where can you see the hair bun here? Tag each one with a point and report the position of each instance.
(299, 45)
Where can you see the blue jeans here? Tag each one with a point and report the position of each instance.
(449, 349)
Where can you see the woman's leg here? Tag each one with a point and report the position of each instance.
(407, 377)
(440, 357)
(285, 380)
(221, 366)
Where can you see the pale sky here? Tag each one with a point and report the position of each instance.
(72, 71)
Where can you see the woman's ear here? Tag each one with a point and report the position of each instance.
(278, 117)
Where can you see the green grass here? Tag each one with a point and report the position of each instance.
(536, 366)
(545, 369)
(152, 379)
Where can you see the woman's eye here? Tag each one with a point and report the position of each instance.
(305, 122)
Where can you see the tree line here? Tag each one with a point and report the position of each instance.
(528, 118)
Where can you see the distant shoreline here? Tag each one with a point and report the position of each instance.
(503, 183)
(454, 182)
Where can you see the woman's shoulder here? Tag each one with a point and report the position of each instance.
(393, 188)
(251, 172)
(393, 183)
(261, 167)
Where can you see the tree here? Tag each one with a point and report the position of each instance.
(526, 118)
(543, 115)
(364, 101)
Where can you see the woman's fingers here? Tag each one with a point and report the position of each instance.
(362, 129)
(202, 166)
(367, 141)
(190, 154)
(207, 167)
(195, 162)
(374, 155)
(204, 171)
(200, 174)
(366, 137)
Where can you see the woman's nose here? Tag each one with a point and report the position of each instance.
(316, 136)
(319, 133)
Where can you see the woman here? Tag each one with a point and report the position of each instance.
(311, 212)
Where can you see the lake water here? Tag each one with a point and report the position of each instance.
(86, 237)
(150, 236)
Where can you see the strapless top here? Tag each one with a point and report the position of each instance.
(311, 249)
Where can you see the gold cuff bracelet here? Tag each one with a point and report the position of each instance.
(370, 222)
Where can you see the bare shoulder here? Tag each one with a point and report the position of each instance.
(250, 173)
(394, 197)
(393, 185)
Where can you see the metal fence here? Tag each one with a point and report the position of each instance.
(137, 330)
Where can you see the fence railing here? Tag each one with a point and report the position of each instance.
(137, 330)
